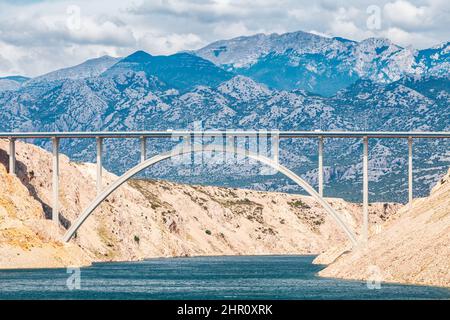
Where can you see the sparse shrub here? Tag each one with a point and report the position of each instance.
(208, 232)
(299, 204)
(136, 239)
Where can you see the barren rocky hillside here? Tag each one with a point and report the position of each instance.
(154, 218)
(412, 247)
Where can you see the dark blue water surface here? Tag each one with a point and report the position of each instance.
(238, 277)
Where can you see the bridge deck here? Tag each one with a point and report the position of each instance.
(175, 133)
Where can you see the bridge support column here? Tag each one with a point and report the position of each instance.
(55, 183)
(276, 147)
(143, 149)
(410, 171)
(99, 164)
(229, 143)
(320, 172)
(365, 225)
(12, 156)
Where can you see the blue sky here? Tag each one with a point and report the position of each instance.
(37, 36)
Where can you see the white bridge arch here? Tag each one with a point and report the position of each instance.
(187, 148)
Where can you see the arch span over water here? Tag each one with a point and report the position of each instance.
(209, 148)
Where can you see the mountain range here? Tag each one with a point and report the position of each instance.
(301, 60)
(294, 81)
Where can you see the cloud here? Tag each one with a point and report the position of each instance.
(406, 14)
(38, 36)
(232, 30)
(349, 23)
(43, 32)
(5, 64)
(425, 21)
(206, 11)
(162, 44)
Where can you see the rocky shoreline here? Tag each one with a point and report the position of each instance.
(412, 247)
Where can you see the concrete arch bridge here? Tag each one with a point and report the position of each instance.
(187, 147)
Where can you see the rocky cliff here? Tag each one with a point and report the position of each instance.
(149, 218)
(411, 247)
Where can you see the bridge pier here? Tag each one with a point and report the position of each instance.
(55, 183)
(320, 173)
(410, 171)
(12, 156)
(365, 224)
(99, 164)
(143, 149)
(276, 147)
(230, 142)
